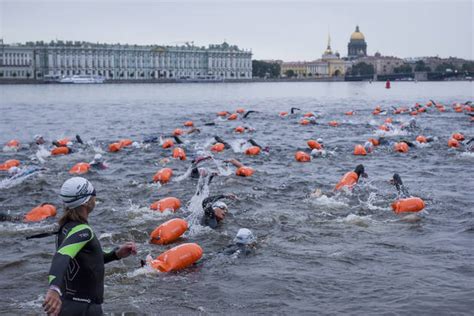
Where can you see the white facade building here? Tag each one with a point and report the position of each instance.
(133, 62)
(16, 62)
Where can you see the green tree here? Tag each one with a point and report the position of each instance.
(421, 66)
(469, 66)
(262, 69)
(403, 69)
(444, 66)
(362, 69)
(289, 73)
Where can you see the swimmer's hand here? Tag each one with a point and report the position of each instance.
(231, 196)
(127, 249)
(52, 303)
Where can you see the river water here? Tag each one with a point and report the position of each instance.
(327, 254)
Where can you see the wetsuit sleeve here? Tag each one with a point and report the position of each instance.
(75, 240)
(111, 255)
(208, 201)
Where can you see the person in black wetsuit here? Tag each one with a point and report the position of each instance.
(215, 210)
(243, 244)
(76, 276)
(397, 182)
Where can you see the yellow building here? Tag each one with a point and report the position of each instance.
(299, 68)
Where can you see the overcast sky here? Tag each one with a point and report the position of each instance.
(288, 30)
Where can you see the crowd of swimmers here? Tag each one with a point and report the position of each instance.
(77, 288)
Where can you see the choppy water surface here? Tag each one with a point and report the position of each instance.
(345, 253)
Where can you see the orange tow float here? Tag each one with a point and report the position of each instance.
(301, 156)
(13, 143)
(177, 258)
(60, 151)
(314, 144)
(40, 213)
(163, 175)
(168, 143)
(179, 153)
(244, 171)
(453, 143)
(401, 147)
(218, 147)
(168, 231)
(9, 164)
(252, 151)
(232, 117)
(80, 168)
(408, 205)
(348, 180)
(168, 203)
(359, 150)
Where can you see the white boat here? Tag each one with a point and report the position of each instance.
(82, 79)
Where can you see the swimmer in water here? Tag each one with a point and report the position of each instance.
(322, 152)
(397, 182)
(254, 143)
(243, 244)
(215, 210)
(76, 276)
(351, 178)
(98, 162)
(220, 140)
(249, 112)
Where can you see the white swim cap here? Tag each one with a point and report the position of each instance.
(320, 140)
(220, 205)
(98, 158)
(316, 152)
(38, 137)
(13, 171)
(76, 191)
(244, 236)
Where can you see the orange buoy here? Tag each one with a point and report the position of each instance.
(178, 132)
(244, 171)
(60, 151)
(177, 258)
(114, 147)
(218, 147)
(9, 164)
(374, 141)
(222, 113)
(412, 204)
(240, 110)
(283, 114)
(80, 168)
(304, 122)
(168, 231)
(458, 136)
(40, 213)
(308, 114)
(421, 139)
(163, 175)
(239, 129)
(401, 147)
(125, 142)
(232, 117)
(301, 156)
(252, 151)
(13, 143)
(349, 113)
(388, 120)
(63, 141)
(384, 128)
(359, 150)
(453, 143)
(387, 84)
(348, 180)
(179, 153)
(314, 144)
(168, 203)
(333, 123)
(168, 143)
(189, 124)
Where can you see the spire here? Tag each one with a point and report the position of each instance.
(357, 28)
(329, 41)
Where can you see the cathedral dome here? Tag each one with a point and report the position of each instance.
(357, 35)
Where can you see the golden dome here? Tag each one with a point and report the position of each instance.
(357, 35)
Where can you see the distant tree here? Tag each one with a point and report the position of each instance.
(403, 69)
(421, 66)
(469, 66)
(262, 69)
(290, 73)
(444, 66)
(362, 69)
